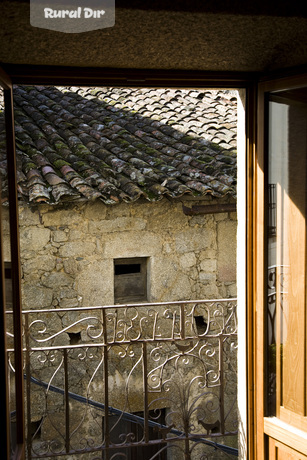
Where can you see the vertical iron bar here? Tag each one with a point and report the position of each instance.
(106, 386)
(115, 326)
(182, 322)
(28, 384)
(173, 325)
(66, 402)
(15, 259)
(154, 326)
(145, 390)
(187, 454)
(221, 372)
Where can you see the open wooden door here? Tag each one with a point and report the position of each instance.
(280, 270)
(11, 348)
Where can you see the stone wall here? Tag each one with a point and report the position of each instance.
(67, 261)
(67, 253)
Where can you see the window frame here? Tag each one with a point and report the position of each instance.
(266, 429)
(44, 75)
(142, 276)
(19, 453)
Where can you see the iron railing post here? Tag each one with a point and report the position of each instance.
(106, 385)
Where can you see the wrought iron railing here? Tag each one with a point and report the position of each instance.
(150, 381)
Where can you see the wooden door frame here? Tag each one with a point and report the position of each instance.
(141, 78)
(254, 190)
(262, 426)
(6, 83)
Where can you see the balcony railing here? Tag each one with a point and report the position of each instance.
(150, 381)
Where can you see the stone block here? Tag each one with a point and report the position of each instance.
(188, 260)
(132, 244)
(167, 217)
(202, 220)
(208, 254)
(205, 276)
(211, 291)
(62, 217)
(31, 277)
(119, 224)
(44, 263)
(70, 266)
(95, 283)
(28, 216)
(36, 297)
(95, 211)
(59, 236)
(34, 238)
(227, 249)
(76, 234)
(232, 290)
(66, 292)
(56, 280)
(77, 249)
(69, 303)
(167, 281)
(208, 265)
(195, 239)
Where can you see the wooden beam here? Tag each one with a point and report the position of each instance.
(54, 75)
(209, 209)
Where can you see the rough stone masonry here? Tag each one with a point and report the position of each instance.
(67, 253)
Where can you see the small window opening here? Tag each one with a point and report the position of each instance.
(8, 284)
(201, 324)
(130, 280)
(74, 338)
(133, 430)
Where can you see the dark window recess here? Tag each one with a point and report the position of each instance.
(8, 284)
(8, 270)
(74, 338)
(201, 325)
(133, 431)
(130, 280)
(127, 269)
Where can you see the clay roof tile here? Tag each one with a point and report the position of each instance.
(120, 144)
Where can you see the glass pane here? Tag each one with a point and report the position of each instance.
(286, 244)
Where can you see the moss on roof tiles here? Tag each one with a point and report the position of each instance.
(59, 163)
(136, 138)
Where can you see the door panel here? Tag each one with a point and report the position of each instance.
(286, 247)
(279, 451)
(280, 269)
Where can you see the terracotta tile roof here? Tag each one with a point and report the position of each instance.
(119, 144)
